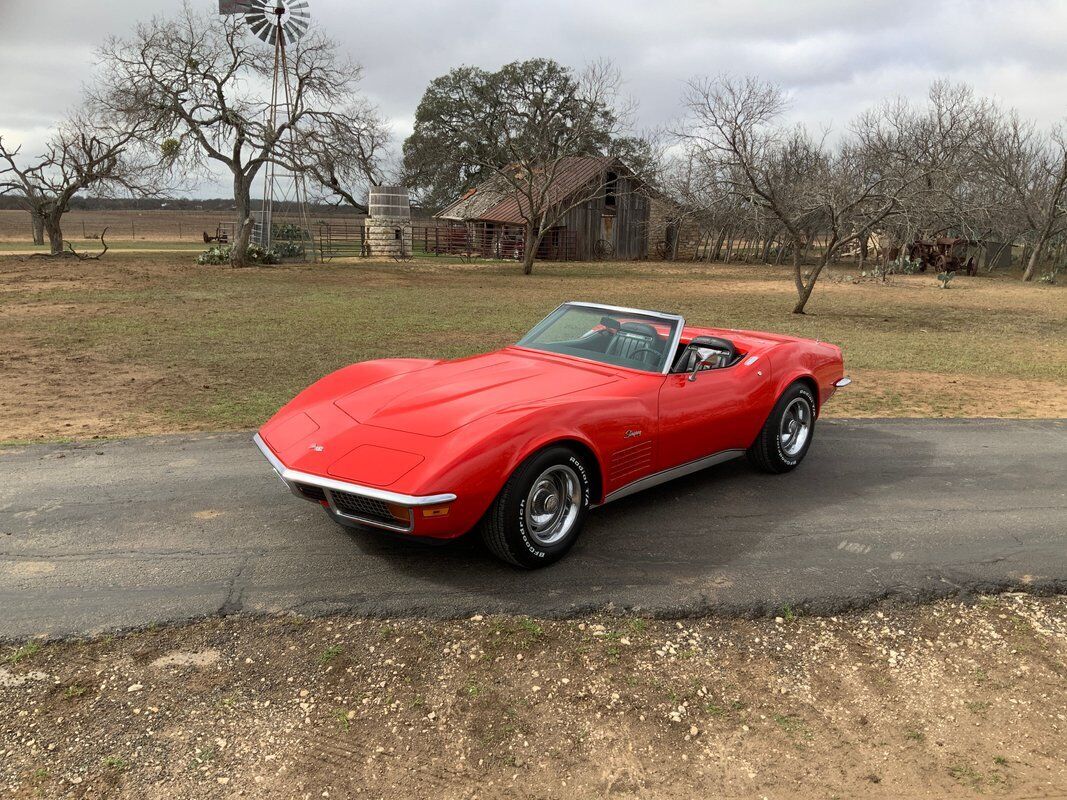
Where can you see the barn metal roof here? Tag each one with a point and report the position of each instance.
(496, 201)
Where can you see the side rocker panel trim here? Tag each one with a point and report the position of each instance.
(674, 472)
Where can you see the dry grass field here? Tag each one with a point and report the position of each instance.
(148, 342)
(127, 227)
(150, 226)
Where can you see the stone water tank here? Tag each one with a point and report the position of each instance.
(389, 202)
(389, 224)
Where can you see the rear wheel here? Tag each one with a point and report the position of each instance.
(539, 513)
(787, 433)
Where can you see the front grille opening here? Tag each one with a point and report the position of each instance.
(315, 493)
(368, 508)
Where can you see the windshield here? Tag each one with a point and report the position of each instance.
(622, 338)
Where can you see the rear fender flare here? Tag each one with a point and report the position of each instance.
(795, 375)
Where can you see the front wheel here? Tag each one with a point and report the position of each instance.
(787, 433)
(539, 513)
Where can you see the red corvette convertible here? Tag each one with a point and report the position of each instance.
(595, 403)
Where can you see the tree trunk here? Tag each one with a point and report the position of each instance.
(529, 251)
(798, 275)
(703, 247)
(1031, 263)
(37, 221)
(718, 245)
(54, 229)
(864, 251)
(242, 195)
(806, 285)
(1039, 248)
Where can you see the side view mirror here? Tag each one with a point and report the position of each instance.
(701, 364)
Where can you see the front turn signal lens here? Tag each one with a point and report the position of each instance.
(435, 511)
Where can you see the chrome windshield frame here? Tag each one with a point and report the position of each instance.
(675, 321)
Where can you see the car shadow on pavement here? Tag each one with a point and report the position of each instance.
(678, 536)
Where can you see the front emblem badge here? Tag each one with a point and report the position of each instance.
(632, 434)
(318, 448)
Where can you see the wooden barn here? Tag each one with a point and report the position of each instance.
(609, 217)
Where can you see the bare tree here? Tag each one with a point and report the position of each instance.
(693, 195)
(86, 152)
(1029, 168)
(734, 127)
(892, 162)
(206, 80)
(928, 157)
(345, 155)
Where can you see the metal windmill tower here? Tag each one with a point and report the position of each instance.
(284, 214)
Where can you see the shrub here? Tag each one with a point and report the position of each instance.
(220, 254)
(898, 266)
(288, 231)
(288, 239)
(287, 249)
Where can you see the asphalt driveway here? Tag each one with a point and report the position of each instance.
(111, 535)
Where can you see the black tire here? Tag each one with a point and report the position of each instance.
(769, 453)
(505, 528)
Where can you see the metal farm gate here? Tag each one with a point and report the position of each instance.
(342, 240)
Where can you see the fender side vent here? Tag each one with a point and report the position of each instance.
(630, 461)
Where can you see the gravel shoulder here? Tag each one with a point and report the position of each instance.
(942, 700)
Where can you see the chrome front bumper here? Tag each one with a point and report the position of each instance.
(331, 488)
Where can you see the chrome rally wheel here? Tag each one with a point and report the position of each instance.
(788, 432)
(552, 504)
(539, 513)
(795, 427)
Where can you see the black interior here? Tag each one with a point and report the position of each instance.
(712, 352)
(639, 344)
(636, 341)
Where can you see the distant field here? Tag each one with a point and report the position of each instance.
(129, 226)
(93, 247)
(149, 342)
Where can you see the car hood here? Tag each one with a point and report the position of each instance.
(443, 397)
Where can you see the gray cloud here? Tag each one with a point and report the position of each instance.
(835, 56)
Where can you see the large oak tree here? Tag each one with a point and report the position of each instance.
(516, 129)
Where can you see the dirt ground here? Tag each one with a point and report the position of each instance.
(946, 700)
(148, 343)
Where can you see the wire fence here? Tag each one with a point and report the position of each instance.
(457, 240)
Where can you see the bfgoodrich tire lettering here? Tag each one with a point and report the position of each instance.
(788, 432)
(539, 513)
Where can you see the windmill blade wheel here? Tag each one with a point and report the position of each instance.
(269, 19)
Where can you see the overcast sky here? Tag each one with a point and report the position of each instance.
(836, 57)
